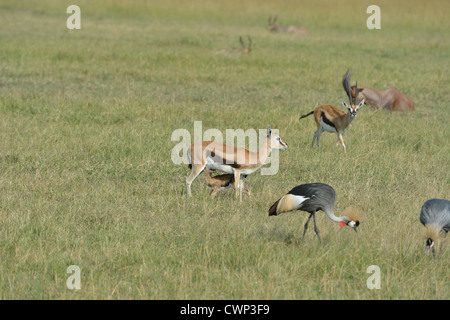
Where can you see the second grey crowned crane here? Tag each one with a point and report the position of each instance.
(312, 197)
(435, 216)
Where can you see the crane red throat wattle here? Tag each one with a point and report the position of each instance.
(342, 224)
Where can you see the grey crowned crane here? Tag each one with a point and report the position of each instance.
(435, 216)
(312, 197)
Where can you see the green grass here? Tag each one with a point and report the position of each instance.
(86, 176)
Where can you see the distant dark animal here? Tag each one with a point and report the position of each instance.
(435, 216)
(246, 49)
(290, 29)
(312, 197)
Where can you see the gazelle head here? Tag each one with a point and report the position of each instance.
(272, 25)
(354, 90)
(275, 140)
(353, 107)
(246, 49)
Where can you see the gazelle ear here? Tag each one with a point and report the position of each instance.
(360, 104)
(269, 132)
(346, 105)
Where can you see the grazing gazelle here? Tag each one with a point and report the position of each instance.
(222, 182)
(215, 155)
(331, 119)
(291, 29)
(390, 99)
(244, 51)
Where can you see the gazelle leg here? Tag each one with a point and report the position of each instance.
(314, 138)
(196, 170)
(318, 137)
(337, 142)
(243, 187)
(237, 183)
(240, 192)
(342, 142)
(214, 191)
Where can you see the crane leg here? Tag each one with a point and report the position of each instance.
(316, 230)
(441, 247)
(306, 225)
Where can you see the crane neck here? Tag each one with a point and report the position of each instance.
(332, 216)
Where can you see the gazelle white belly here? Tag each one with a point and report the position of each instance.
(219, 167)
(327, 127)
(247, 171)
(210, 164)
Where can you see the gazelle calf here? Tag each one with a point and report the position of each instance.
(291, 29)
(331, 119)
(390, 99)
(219, 156)
(222, 182)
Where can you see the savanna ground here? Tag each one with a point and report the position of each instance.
(86, 176)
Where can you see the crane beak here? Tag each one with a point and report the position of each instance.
(429, 247)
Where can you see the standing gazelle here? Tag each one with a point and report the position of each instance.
(215, 155)
(331, 119)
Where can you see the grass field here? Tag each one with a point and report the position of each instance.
(86, 176)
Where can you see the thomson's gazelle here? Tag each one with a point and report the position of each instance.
(215, 155)
(331, 119)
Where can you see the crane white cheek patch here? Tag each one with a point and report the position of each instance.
(351, 224)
